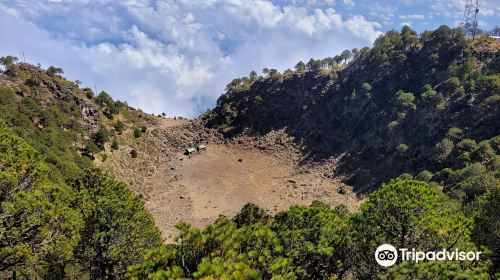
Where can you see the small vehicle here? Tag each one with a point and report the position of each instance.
(189, 151)
(200, 147)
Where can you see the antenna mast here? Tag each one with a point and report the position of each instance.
(469, 20)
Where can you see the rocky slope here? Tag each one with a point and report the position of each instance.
(403, 106)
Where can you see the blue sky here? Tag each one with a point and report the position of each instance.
(177, 56)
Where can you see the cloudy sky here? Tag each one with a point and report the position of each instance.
(176, 56)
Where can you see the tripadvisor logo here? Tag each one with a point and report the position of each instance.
(386, 255)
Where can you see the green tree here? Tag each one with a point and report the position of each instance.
(404, 100)
(100, 138)
(443, 149)
(103, 98)
(437, 270)
(401, 148)
(487, 229)
(366, 88)
(345, 55)
(253, 76)
(300, 67)
(8, 61)
(316, 239)
(466, 145)
(88, 92)
(118, 229)
(251, 214)
(38, 223)
(407, 214)
(53, 71)
(425, 176)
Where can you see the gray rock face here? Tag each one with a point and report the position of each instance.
(90, 114)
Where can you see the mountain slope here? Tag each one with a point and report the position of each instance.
(399, 107)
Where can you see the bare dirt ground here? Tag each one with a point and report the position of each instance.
(218, 181)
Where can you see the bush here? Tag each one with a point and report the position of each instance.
(405, 176)
(424, 176)
(405, 100)
(485, 151)
(143, 129)
(392, 124)
(100, 138)
(119, 126)
(366, 88)
(454, 133)
(88, 92)
(251, 214)
(443, 149)
(466, 145)
(452, 84)
(401, 148)
(52, 71)
(114, 145)
(133, 153)
(137, 133)
(103, 98)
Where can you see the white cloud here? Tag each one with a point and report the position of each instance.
(455, 8)
(174, 56)
(349, 2)
(487, 12)
(412, 17)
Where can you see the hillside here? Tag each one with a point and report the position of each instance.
(410, 104)
(305, 173)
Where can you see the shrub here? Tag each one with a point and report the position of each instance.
(103, 98)
(52, 71)
(443, 149)
(492, 100)
(452, 84)
(137, 133)
(454, 133)
(251, 214)
(392, 124)
(366, 88)
(401, 148)
(466, 145)
(114, 145)
(100, 138)
(119, 127)
(464, 158)
(429, 95)
(424, 176)
(133, 153)
(405, 176)
(485, 151)
(404, 100)
(88, 92)
(143, 129)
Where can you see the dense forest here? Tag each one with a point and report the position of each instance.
(413, 120)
